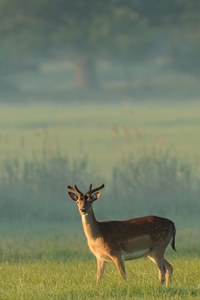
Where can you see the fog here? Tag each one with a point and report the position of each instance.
(99, 52)
(99, 92)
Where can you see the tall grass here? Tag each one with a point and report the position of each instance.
(156, 183)
(151, 183)
(35, 189)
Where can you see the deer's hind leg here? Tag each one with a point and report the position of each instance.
(169, 272)
(158, 259)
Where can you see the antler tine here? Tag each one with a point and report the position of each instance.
(90, 188)
(77, 190)
(70, 187)
(74, 189)
(91, 191)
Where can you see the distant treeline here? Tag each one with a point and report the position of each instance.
(86, 32)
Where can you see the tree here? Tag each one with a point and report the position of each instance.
(86, 29)
(122, 30)
(184, 39)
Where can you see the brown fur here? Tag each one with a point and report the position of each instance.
(122, 240)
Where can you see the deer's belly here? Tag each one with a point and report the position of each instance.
(137, 247)
(134, 254)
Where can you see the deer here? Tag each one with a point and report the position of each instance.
(118, 241)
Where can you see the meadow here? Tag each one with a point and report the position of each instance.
(103, 133)
(148, 157)
(47, 261)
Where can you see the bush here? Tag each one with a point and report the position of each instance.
(36, 190)
(155, 184)
(138, 185)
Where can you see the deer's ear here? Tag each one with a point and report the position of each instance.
(96, 196)
(73, 196)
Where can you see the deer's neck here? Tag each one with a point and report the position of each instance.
(90, 226)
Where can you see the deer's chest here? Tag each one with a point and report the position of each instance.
(99, 249)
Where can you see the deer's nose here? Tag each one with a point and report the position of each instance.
(83, 210)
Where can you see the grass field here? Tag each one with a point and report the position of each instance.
(104, 133)
(47, 262)
(150, 149)
(121, 143)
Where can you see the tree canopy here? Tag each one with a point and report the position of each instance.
(123, 30)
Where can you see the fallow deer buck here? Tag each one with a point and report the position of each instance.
(123, 240)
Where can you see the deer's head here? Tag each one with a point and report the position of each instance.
(84, 201)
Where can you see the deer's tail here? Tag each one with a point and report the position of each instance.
(172, 242)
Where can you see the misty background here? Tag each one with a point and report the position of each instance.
(134, 49)
(79, 81)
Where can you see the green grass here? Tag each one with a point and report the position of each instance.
(125, 146)
(47, 261)
(76, 280)
(104, 133)
(146, 154)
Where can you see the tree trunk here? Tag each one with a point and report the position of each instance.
(85, 72)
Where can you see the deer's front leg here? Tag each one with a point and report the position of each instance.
(100, 268)
(119, 263)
